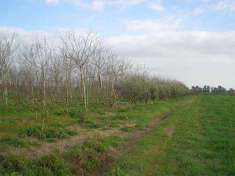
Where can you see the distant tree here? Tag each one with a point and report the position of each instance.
(231, 91)
(206, 89)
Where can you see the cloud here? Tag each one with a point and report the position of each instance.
(156, 7)
(194, 57)
(99, 5)
(223, 5)
(52, 2)
(154, 25)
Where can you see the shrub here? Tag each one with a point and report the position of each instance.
(87, 156)
(48, 132)
(49, 165)
(140, 88)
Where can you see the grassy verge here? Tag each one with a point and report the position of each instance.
(197, 140)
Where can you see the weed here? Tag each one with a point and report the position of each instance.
(7, 122)
(11, 165)
(126, 129)
(59, 112)
(48, 132)
(88, 156)
(16, 142)
(121, 116)
(118, 172)
(49, 165)
(91, 124)
(78, 114)
(112, 141)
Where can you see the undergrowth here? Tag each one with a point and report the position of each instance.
(50, 132)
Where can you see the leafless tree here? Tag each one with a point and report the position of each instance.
(6, 53)
(79, 67)
(28, 59)
(79, 49)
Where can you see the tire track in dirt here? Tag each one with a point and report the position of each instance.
(133, 139)
(62, 144)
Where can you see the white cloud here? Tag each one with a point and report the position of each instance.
(125, 2)
(224, 5)
(196, 57)
(99, 5)
(221, 5)
(52, 2)
(233, 7)
(152, 25)
(197, 11)
(156, 6)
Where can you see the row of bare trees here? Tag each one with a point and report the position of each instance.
(76, 68)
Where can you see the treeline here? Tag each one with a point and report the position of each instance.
(140, 87)
(220, 90)
(77, 68)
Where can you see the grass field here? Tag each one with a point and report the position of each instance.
(197, 140)
(185, 136)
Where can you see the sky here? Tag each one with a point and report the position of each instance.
(189, 40)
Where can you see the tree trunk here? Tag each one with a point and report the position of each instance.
(44, 93)
(83, 87)
(6, 94)
(100, 80)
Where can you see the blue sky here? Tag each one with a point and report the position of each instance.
(110, 16)
(189, 40)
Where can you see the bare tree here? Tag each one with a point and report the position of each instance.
(56, 74)
(29, 62)
(43, 54)
(80, 49)
(6, 52)
(99, 61)
(67, 67)
(78, 65)
(116, 69)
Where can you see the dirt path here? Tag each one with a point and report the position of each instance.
(62, 144)
(134, 138)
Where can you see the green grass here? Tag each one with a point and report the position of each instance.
(27, 128)
(45, 132)
(48, 165)
(77, 160)
(196, 140)
(15, 117)
(16, 142)
(22, 127)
